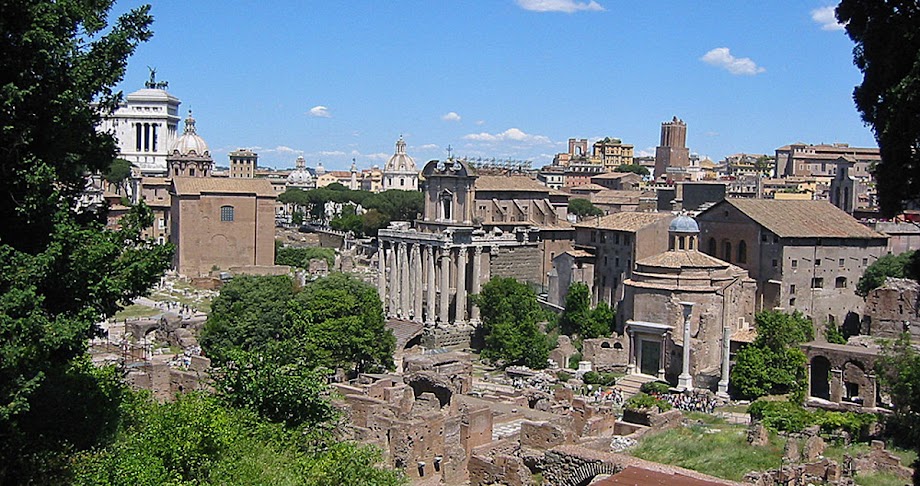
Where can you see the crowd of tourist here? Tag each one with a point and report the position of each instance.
(691, 402)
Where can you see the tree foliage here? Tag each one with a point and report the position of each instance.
(887, 51)
(118, 172)
(333, 322)
(772, 364)
(898, 371)
(583, 208)
(380, 208)
(300, 257)
(895, 266)
(510, 315)
(634, 168)
(60, 270)
(198, 439)
(579, 318)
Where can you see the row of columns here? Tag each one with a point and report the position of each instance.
(415, 281)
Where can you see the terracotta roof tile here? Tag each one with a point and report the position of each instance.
(185, 186)
(625, 221)
(800, 219)
(509, 183)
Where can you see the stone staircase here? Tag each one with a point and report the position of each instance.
(630, 384)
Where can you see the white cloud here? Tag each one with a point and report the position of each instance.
(723, 58)
(566, 6)
(511, 134)
(647, 152)
(451, 117)
(320, 111)
(826, 18)
(480, 122)
(428, 146)
(332, 153)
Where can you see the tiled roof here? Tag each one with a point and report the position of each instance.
(682, 259)
(187, 186)
(625, 221)
(799, 219)
(614, 175)
(509, 183)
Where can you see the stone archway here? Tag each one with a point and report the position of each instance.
(820, 378)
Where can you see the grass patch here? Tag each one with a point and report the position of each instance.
(136, 310)
(720, 450)
(879, 479)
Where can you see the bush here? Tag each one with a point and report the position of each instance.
(641, 401)
(655, 387)
(784, 416)
(573, 361)
(562, 376)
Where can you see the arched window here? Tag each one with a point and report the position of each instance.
(840, 283)
(712, 246)
(226, 213)
(742, 252)
(727, 251)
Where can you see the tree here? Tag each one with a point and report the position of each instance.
(583, 208)
(60, 270)
(895, 266)
(397, 205)
(887, 52)
(118, 173)
(898, 370)
(510, 313)
(249, 312)
(773, 364)
(300, 257)
(373, 220)
(579, 318)
(348, 220)
(634, 168)
(339, 319)
(336, 321)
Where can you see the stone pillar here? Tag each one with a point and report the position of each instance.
(477, 286)
(432, 287)
(382, 274)
(869, 396)
(726, 362)
(662, 355)
(631, 367)
(416, 276)
(685, 380)
(808, 379)
(403, 281)
(836, 385)
(445, 287)
(393, 272)
(460, 317)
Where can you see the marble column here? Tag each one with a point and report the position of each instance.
(403, 281)
(445, 287)
(382, 274)
(461, 286)
(868, 395)
(726, 362)
(432, 285)
(393, 273)
(836, 385)
(476, 285)
(685, 380)
(631, 367)
(416, 276)
(662, 355)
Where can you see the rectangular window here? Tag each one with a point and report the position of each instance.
(840, 262)
(616, 238)
(817, 283)
(775, 263)
(817, 262)
(840, 283)
(792, 289)
(226, 213)
(792, 302)
(795, 263)
(865, 261)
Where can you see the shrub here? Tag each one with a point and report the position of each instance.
(563, 376)
(573, 361)
(641, 401)
(655, 387)
(784, 416)
(591, 378)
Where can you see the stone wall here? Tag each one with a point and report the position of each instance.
(522, 263)
(893, 309)
(607, 354)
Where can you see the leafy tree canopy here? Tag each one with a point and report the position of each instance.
(887, 51)
(583, 208)
(510, 315)
(772, 364)
(61, 271)
(579, 318)
(634, 168)
(904, 265)
(300, 257)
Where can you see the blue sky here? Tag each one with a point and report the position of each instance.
(500, 78)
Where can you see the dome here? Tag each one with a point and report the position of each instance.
(684, 224)
(190, 143)
(400, 162)
(320, 170)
